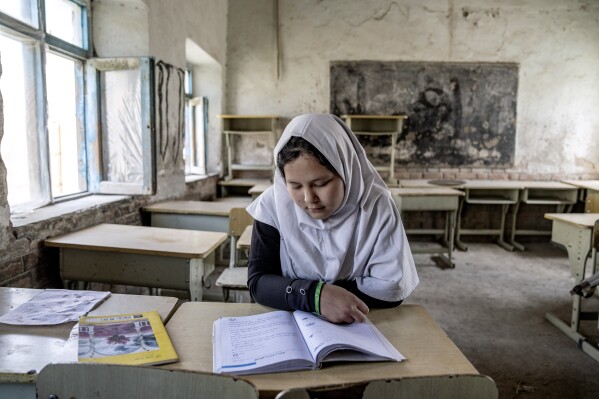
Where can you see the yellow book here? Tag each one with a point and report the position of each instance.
(132, 339)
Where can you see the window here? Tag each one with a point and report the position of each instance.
(196, 125)
(55, 145)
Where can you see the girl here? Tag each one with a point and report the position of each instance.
(327, 236)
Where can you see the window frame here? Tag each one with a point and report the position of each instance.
(88, 108)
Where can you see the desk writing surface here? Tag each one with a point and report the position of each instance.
(219, 208)
(586, 184)
(408, 327)
(548, 185)
(494, 184)
(141, 240)
(30, 348)
(433, 191)
(415, 183)
(575, 219)
(259, 188)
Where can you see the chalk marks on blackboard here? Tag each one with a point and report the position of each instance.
(459, 114)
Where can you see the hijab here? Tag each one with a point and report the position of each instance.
(363, 240)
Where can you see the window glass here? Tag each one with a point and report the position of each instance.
(196, 122)
(65, 138)
(20, 143)
(23, 10)
(121, 105)
(64, 20)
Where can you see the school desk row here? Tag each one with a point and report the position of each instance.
(183, 255)
(25, 350)
(176, 252)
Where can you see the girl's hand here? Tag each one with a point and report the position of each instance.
(338, 305)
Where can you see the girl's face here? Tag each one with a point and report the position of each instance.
(313, 187)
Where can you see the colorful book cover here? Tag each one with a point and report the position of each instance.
(132, 339)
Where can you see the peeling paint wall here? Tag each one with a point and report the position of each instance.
(554, 43)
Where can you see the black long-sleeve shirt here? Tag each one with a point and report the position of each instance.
(269, 287)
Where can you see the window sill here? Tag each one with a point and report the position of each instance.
(64, 208)
(195, 178)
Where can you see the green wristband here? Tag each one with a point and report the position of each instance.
(317, 297)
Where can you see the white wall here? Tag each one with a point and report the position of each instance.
(555, 42)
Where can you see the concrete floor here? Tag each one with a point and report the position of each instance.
(493, 305)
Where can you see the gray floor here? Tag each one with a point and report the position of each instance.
(492, 305)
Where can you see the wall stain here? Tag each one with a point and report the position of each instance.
(171, 105)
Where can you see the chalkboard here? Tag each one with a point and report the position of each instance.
(459, 114)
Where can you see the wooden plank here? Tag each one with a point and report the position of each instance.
(218, 208)
(142, 240)
(575, 219)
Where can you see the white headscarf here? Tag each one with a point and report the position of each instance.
(363, 240)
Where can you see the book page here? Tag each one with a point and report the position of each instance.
(253, 343)
(324, 337)
(53, 306)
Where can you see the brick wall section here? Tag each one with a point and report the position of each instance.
(27, 263)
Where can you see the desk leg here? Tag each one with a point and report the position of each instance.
(500, 241)
(513, 231)
(199, 270)
(448, 238)
(577, 242)
(458, 243)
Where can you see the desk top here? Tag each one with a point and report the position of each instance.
(221, 207)
(25, 350)
(493, 184)
(374, 116)
(229, 116)
(432, 191)
(259, 188)
(144, 240)
(588, 184)
(547, 185)
(408, 327)
(489, 184)
(243, 182)
(575, 219)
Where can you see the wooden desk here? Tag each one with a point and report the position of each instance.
(562, 195)
(239, 186)
(258, 189)
(575, 231)
(408, 327)
(139, 255)
(589, 193)
(379, 125)
(195, 215)
(25, 350)
(432, 199)
(488, 192)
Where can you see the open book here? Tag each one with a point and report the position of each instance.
(131, 339)
(284, 341)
